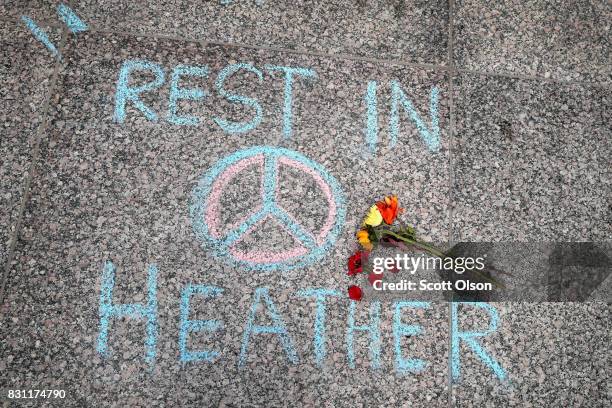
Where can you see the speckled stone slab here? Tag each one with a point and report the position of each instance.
(142, 167)
(414, 31)
(42, 11)
(25, 73)
(550, 352)
(531, 160)
(121, 192)
(550, 39)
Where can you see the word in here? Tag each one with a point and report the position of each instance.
(430, 134)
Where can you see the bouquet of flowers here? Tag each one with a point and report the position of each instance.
(378, 228)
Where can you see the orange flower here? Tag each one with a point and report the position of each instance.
(364, 239)
(389, 209)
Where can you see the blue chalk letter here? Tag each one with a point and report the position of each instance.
(278, 328)
(373, 328)
(237, 127)
(403, 365)
(431, 134)
(469, 338)
(124, 92)
(187, 326)
(136, 311)
(177, 93)
(289, 73)
(319, 328)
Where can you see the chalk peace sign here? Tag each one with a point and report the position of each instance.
(206, 203)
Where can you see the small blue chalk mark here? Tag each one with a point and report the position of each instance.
(65, 13)
(40, 35)
(74, 23)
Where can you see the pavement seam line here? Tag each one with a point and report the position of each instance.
(509, 75)
(25, 197)
(350, 57)
(451, 175)
(451, 133)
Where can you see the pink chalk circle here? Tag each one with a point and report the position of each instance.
(308, 247)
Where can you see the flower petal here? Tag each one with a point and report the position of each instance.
(364, 239)
(355, 292)
(373, 277)
(374, 218)
(388, 208)
(355, 265)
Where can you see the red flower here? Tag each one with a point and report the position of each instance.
(355, 262)
(355, 292)
(373, 277)
(389, 208)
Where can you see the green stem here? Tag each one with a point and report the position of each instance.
(434, 251)
(415, 242)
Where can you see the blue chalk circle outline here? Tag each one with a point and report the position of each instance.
(221, 246)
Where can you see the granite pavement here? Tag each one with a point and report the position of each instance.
(505, 137)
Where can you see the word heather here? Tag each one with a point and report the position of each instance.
(263, 302)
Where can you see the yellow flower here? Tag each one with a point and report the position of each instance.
(374, 218)
(364, 239)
